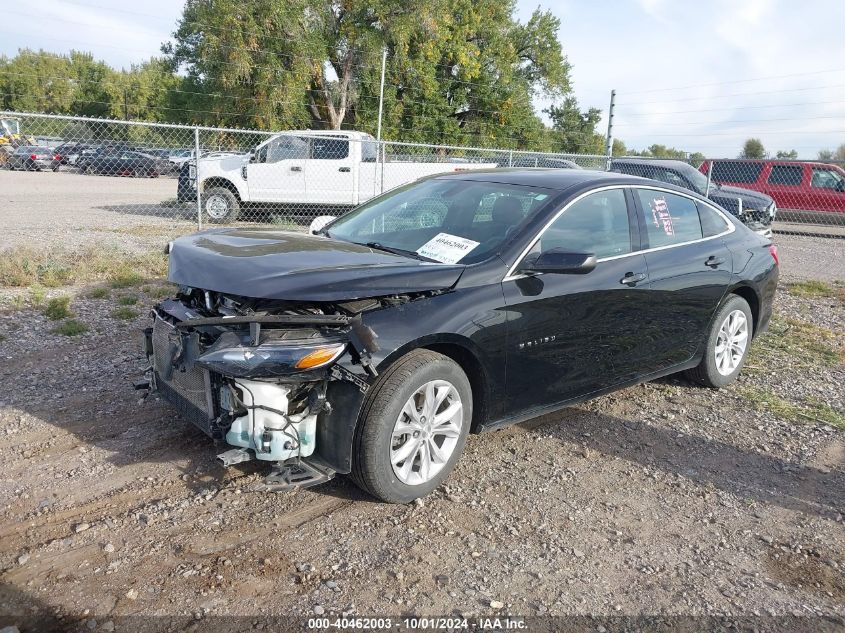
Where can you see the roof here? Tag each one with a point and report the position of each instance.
(660, 162)
(559, 179)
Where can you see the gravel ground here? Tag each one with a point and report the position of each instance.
(660, 499)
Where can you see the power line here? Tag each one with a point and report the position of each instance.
(735, 94)
(750, 107)
(735, 81)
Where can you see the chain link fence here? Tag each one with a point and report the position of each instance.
(70, 180)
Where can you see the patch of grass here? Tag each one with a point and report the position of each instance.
(126, 278)
(51, 268)
(285, 222)
(126, 313)
(58, 308)
(98, 293)
(71, 327)
(815, 290)
(127, 300)
(793, 343)
(811, 409)
(160, 292)
(37, 296)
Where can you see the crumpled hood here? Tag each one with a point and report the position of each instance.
(750, 199)
(290, 266)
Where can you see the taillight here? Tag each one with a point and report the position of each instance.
(773, 251)
(33, 156)
(57, 157)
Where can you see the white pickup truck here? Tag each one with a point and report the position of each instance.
(306, 170)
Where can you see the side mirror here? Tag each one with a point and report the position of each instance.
(319, 222)
(559, 261)
(252, 157)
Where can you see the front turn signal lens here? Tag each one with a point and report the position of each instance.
(319, 357)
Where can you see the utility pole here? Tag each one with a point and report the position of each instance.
(125, 106)
(608, 150)
(379, 145)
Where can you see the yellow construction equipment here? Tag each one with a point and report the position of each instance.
(11, 137)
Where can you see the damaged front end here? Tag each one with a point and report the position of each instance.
(256, 372)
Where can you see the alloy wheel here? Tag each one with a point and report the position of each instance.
(426, 432)
(216, 206)
(731, 342)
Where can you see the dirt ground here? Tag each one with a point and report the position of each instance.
(660, 499)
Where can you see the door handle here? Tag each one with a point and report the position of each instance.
(632, 279)
(714, 262)
(344, 169)
(296, 168)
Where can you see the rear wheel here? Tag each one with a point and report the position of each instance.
(414, 427)
(727, 345)
(220, 205)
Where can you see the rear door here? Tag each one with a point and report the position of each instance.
(276, 172)
(569, 335)
(329, 174)
(689, 270)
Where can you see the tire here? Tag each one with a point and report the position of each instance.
(220, 205)
(711, 372)
(376, 445)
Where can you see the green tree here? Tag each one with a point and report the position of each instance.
(574, 129)
(787, 155)
(753, 148)
(458, 70)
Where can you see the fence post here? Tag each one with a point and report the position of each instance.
(510, 159)
(609, 146)
(197, 175)
(709, 178)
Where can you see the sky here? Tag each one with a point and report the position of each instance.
(699, 76)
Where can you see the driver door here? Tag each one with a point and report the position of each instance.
(573, 334)
(276, 173)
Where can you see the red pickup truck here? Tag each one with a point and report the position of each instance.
(814, 190)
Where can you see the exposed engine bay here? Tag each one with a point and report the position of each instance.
(256, 372)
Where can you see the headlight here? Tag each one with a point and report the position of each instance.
(269, 359)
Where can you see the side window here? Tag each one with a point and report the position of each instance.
(711, 222)
(826, 179)
(595, 224)
(736, 171)
(664, 175)
(286, 148)
(786, 175)
(669, 218)
(329, 148)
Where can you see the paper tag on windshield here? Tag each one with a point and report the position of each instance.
(446, 248)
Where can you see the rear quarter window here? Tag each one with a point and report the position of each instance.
(736, 171)
(711, 222)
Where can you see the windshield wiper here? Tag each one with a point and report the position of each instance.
(398, 251)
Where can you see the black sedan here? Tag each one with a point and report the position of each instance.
(374, 346)
(120, 163)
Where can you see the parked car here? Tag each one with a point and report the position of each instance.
(806, 190)
(537, 160)
(317, 169)
(33, 157)
(756, 210)
(123, 163)
(458, 303)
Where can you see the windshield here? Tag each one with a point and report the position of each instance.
(699, 180)
(449, 221)
(11, 126)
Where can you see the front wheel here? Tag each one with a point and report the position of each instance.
(727, 345)
(413, 427)
(220, 205)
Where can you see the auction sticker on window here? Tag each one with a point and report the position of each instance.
(446, 248)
